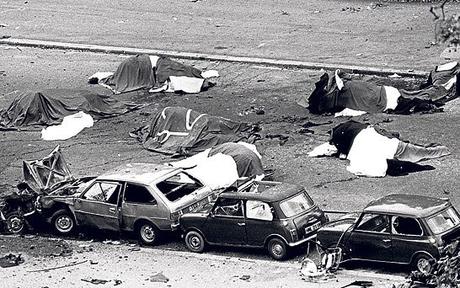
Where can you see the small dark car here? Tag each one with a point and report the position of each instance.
(398, 228)
(263, 214)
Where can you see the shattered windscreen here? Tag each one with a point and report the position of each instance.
(178, 185)
(443, 221)
(296, 205)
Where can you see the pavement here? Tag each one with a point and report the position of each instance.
(134, 266)
(354, 32)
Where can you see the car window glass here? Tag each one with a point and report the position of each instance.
(406, 226)
(138, 194)
(443, 221)
(374, 223)
(258, 210)
(228, 207)
(296, 205)
(103, 192)
(177, 186)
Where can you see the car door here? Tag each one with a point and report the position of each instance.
(408, 238)
(371, 238)
(259, 222)
(98, 206)
(140, 203)
(226, 224)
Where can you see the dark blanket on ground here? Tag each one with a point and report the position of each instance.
(178, 130)
(137, 73)
(51, 106)
(247, 162)
(371, 98)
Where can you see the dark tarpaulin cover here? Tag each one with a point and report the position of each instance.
(33, 108)
(132, 74)
(247, 162)
(136, 72)
(355, 94)
(47, 108)
(178, 130)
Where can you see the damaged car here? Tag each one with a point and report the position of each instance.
(259, 214)
(398, 228)
(47, 176)
(143, 198)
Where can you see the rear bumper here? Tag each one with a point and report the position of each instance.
(304, 240)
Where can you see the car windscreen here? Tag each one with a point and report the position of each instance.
(296, 205)
(443, 221)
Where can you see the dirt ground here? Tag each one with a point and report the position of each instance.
(396, 35)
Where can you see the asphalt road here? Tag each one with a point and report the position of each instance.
(396, 35)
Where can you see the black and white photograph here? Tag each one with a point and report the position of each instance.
(230, 143)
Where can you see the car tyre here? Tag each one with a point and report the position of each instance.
(15, 223)
(63, 222)
(277, 249)
(423, 263)
(147, 233)
(195, 241)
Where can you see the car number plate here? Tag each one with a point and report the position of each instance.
(313, 227)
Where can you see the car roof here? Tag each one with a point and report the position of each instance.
(277, 192)
(404, 204)
(142, 173)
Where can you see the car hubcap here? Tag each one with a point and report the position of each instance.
(64, 223)
(277, 249)
(15, 224)
(424, 266)
(147, 233)
(195, 242)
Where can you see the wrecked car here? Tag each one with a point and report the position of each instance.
(143, 198)
(261, 214)
(47, 176)
(398, 228)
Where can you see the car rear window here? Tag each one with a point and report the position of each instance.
(443, 221)
(296, 205)
(177, 186)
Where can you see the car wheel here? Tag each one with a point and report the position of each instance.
(277, 249)
(194, 241)
(423, 263)
(63, 222)
(148, 233)
(15, 223)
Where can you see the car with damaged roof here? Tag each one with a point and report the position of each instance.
(259, 214)
(397, 228)
(143, 198)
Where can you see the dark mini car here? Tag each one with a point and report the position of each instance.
(263, 214)
(403, 229)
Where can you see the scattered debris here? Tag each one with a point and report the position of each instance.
(283, 138)
(11, 260)
(158, 277)
(5, 36)
(92, 262)
(59, 267)
(3, 25)
(113, 242)
(253, 109)
(117, 282)
(245, 277)
(95, 281)
(352, 9)
(284, 12)
(359, 283)
(309, 124)
(305, 131)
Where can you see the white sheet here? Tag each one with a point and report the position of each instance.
(392, 97)
(349, 112)
(369, 153)
(71, 125)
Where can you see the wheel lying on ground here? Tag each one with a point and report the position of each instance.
(147, 233)
(63, 222)
(15, 223)
(194, 241)
(423, 263)
(277, 249)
